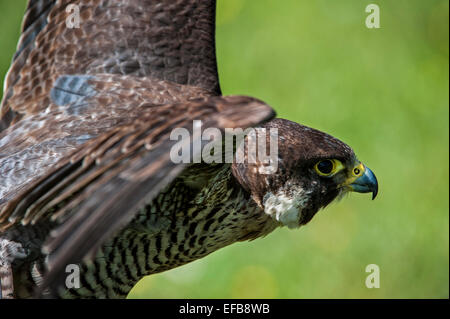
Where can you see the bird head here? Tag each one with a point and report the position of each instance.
(312, 170)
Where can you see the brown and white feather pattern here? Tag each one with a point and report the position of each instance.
(84, 138)
(85, 171)
(167, 40)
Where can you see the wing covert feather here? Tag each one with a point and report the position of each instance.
(98, 188)
(166, 40)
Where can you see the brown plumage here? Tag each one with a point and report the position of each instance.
(86, 176)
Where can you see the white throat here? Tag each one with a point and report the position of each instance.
(286, 205)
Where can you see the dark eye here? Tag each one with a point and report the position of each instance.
(325, 167)
(328, 167)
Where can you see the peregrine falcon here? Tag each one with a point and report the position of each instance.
(92, 96)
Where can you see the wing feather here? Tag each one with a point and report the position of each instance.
(165, 40)
(102, 192)
(87, 113)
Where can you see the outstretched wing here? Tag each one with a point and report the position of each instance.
(80, 108)
(87, 113)
(159, 39)
(71, 79)
(98, 188)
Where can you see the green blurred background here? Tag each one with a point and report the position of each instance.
(383, 91)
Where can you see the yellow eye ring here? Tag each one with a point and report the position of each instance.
(358, 170)
(328, 167)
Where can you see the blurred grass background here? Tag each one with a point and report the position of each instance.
(383, 91)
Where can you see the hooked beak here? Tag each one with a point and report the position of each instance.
(366, 183)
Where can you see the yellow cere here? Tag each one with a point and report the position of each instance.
(356, 172)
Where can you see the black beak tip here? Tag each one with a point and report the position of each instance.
(374, 194)
(375, 187)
